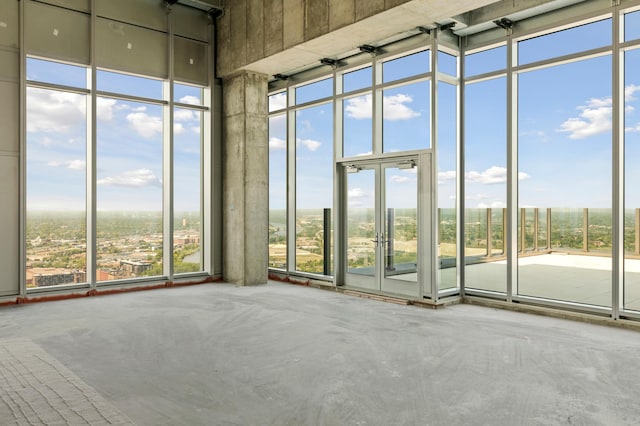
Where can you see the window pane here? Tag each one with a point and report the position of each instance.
(406, 66)
(356, 80)
(564, 164)
(632, 176)
(485, 185)
(278, 192)
(486, 61)
(357, 126)
(314, 91)
(405, 112)
(632, 26)
(314, 186)
(129, 189)
(56, 175)
(573, 40)
(447, 172)
(114, 82)
(277, 101)
(186, 94)
(187, 211)
(447, 64)
(56, 73)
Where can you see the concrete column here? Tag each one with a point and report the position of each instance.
(245, 179)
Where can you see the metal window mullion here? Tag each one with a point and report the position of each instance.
(22, 214)
(433, 191)
(618, 167)
(291, 180)
(167, 160)
(377, 95)
(91, 159)
(338, 136)
(460, 189)
(512, 171)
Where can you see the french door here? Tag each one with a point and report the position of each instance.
(384, 210)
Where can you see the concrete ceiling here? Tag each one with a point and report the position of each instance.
(388, 24)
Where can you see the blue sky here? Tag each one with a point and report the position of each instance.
(564, 127)
(129, 143)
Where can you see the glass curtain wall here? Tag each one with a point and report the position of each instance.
(485, 175)
(447, 143)
(631, 292)
(277, 183)
(131, 150)
(564, 158)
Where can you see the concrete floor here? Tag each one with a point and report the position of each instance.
(279, 354)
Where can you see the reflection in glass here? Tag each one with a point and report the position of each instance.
(56, 174)
(314, 186)
(572, 40)
(277, 192)
(314, 91)
(405, 113)
(574, 182)
(406, 66)
(485, 61)
(485, 185)
(56, 73)
(356, 80)
(357, 138)
(447, 173)
(187, 211)
(129, 190)
(632, 177)
(361, 223)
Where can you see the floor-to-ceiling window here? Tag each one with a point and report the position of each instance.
(111, 192)
(485, 174)
(278, 183)
(631, 56)
(565, 159)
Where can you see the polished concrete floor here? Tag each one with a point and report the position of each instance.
(279, 354)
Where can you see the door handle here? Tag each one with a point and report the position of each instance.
(377, 240)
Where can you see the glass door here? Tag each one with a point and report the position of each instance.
(382, 226)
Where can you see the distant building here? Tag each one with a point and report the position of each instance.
(45, 277)
(134, 267)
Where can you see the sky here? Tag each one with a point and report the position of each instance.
(129, 143)
(564, 127)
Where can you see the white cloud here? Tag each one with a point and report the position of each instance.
(144, 124)
(277, 143)
(132, 179)
(178, 128)
(596, 115)
(629, 91)
(395, 107)
(104, 108)
(277, 101)
(356, 193)
(492, 175)
(54, 112)
(310, 144)
(493, 205)
(186, 115)
(72, 164)
(478, 196)
(76, 164)
(196, 129)
(191, 100)
(445, 176)
(635, 128)
(400, 179)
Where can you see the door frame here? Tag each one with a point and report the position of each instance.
(426, 268)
